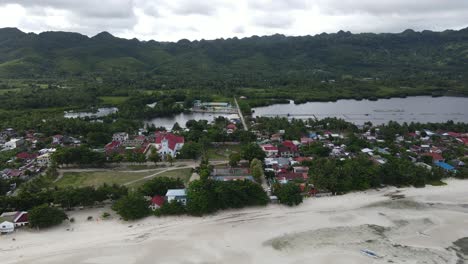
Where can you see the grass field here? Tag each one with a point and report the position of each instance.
(183, 174)
(97, 178)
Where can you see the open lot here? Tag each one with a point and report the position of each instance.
(222, 152)
(131, 178)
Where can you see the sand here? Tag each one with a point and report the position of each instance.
(428, 225)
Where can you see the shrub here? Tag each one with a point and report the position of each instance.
(44, 216)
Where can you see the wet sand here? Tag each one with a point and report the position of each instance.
(428, 225)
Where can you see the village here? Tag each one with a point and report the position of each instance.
(285, 160)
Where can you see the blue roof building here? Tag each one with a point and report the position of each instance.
(445, 166)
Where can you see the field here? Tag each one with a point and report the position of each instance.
(131, 178)
(222, 152)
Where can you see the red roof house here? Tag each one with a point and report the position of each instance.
(436, 157)
(26, 156)
(156, 202)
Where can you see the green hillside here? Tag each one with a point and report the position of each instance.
(429, 61)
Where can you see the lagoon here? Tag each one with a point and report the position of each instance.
(182, 118)
(421, 109)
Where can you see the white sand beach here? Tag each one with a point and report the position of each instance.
(418, 228)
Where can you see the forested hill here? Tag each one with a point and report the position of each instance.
(426, 57)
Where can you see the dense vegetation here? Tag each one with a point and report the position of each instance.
(209, 196)
(43, 216)
(321, 67)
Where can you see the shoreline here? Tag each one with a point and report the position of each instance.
(424, 224)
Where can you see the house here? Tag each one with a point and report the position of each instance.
(57, 139)
(168, 143)
(18, 218)
(301, 169)
(288, 149)
(436, 157)
(14, 143)
(270, 150)
(291, 176)
(178, 195)
(156, 202)
(26, 156)
(231, 128)
(44, 159)
(276, 137)
(11, 173)
(7, 227)
(306, 141)
(121, 136)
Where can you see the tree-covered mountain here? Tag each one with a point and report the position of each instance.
(438, 59)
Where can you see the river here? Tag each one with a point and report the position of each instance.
(421, 109)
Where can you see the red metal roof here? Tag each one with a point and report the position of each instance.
(26, 156)
(158, 200)
(171, 138)
(289, 144)
(435, 156)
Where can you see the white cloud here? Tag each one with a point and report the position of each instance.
(176, 19)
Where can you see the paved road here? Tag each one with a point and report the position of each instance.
(241, 115)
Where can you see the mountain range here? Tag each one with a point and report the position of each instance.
(277, 60)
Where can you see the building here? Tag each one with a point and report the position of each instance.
(44, 159)
(14, 143)
(26, 156)
(436, 157)
(18, 218)
(57, 139)
(178, 195)
(168, 143)
(445, 166)
(120, 137)
(156, 202)
(270, 150)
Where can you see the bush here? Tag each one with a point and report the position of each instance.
(160, 185)
(289, 194)
(172, 208)
(208, 196)
(132, 207)
(44, 216)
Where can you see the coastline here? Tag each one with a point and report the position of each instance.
(424, 224)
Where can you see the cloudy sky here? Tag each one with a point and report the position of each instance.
(171, 20)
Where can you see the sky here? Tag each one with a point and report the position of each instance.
(172, 20)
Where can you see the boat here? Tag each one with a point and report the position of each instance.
(369, 253)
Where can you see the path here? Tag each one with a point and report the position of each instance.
(155, 174)
(241, 115)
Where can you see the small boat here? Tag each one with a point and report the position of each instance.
(369, 253)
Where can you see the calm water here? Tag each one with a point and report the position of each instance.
(101, 112)
(411, 109)
(168, 122)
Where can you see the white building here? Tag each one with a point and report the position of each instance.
(14, 143)
(121, 136)
(178, 195)
(168, 144)
(44, 159)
